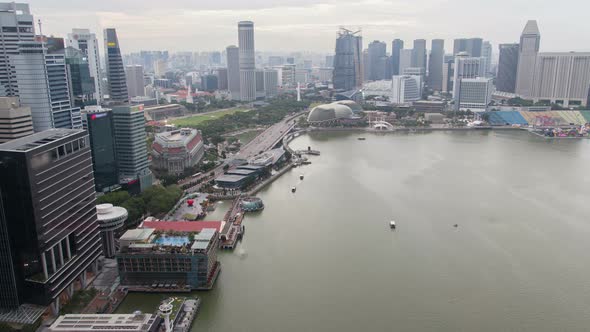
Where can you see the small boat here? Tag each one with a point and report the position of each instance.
(392, 224)
(293, 189)
(361, 138)
(300, 176)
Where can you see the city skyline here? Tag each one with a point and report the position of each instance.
(379, 20)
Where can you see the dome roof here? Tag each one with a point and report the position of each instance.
(342, 111)
(352, 104)
(329, 112)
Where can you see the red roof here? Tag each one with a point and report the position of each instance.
(194, 141)
(181, 226)
(157, 147)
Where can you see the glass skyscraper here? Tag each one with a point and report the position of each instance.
(99, 124)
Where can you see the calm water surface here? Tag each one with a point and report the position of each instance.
(324, 258)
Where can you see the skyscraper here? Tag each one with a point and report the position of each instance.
(82, 83)
(507, 68)
(375, 66)
(247, 61)
(15, 120)
(435, 64)
(271, 82)
(16, 23)
(475, 94)
(530, 41)
(48, 225)
(222, 78)
(405, 60)
(99, 124)
(486, 52)
(348, 70)
(233, 71)
(472, 46)
(419, 53)
(405, 89)
(396, 47)
(86, 42)
(135, 81)
(115, 70)
(466, 67)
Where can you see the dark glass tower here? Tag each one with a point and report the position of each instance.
(507, 68)
(348, 70)
(48, 225)
(99, 124)
(396, 47)
(115, 69)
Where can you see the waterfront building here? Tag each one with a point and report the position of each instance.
(348, 69)
(135, 80)
(233, 71)
(471, 46)
(530, 41)
(247, 61)
(15, 120)
(131, 148)
(98, 122)
(435, 64)
(328, 114)
(222, 82)
(114, 67)
(396, 47)
(50, 192)
(136, 322)
(85, 41)
(176, 150)
(150, 256)
(82, 87)
(466, 67)
(43, 85)
(405, 89)
(375, 67)
(419, 53)
(562, 78)
(110, 219)
(17, 26)
(507, 68)
(475, 94)
(429, 106)
(271, 83)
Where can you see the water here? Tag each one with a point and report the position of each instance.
(177, 241)
(325, 259)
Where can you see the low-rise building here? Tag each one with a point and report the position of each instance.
(160, 112)
(107, 323)
(177, 150)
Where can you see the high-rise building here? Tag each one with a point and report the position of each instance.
(435, 64)
(222, 78)
(209, 83)
(405, 89)
(85, 41)
(486, 52)
(271, 83)
(466, 67)
(247, 61)
(289, 75)
(448, 73)
(15, 120)
(115, 70)
(99, 124)
(131, 148)
(405, 60)
(275, 60)
(562, 78)
(260, 83)
(135, 81)
(43, 85)
(16, 23)
(375, 66)
(329, 61)
(530, 41)
(471, 46)
(82, 84)
(233, 71)
(507, 68)
(396, 47)
(475, 94)
(348, 69)
(48, 226)
(419, 53)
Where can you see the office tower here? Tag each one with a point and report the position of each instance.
(271, 83)
(475, 94)
(530, 41)
(215, 58)
(329, 61)
(135, 81)
(396, 47)
(82, 84)
(405, 60)
(405, 89)
(131, 148)
(86, 42)
(98, 122)
(365, 65)
(486, 52)
(233, 71)
(160, 67)
(376, 51)
(471, 46)
(260, 83)
(435, 64)
(17, 26)
(274, 60)
(222, 78)
(43, 85)
(247, 61)
(507, 68)
(115, 70)
(419, 53)
(48, 226)
(290, 60)
(448, 73)
(467, 67)
(289, 75)
(15, 120)
(348, 70)
(562, 78)
(209, 83)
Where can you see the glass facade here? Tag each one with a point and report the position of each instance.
(104, 161)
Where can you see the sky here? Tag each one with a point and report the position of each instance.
(311, 25)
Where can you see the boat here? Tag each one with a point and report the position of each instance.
(300, 176)
(293, 189)
(361, 138)
(392, 224)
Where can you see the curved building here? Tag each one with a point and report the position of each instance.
(353, 105)
(331, 113)
(110, 218)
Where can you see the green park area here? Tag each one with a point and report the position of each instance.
(199, 119)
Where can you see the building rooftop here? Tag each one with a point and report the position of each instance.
(37, 140)
(182, 226)
(109, 212)
(105, 322)
(138, 234)
(230, 178)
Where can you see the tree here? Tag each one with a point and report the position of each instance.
(116, 198)
(225, 167)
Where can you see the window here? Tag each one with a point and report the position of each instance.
(76, 145)
(69, 148)
(61, 151)
(8, 29)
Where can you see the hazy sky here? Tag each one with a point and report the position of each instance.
(308, 25)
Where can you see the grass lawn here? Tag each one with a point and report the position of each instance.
(198, 119)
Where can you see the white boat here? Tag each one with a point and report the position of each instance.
(301, 177)
(392, 224)
(293, 189)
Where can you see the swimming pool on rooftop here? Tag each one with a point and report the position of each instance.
(177, 241)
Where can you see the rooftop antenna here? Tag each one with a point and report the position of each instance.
(40, 28)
